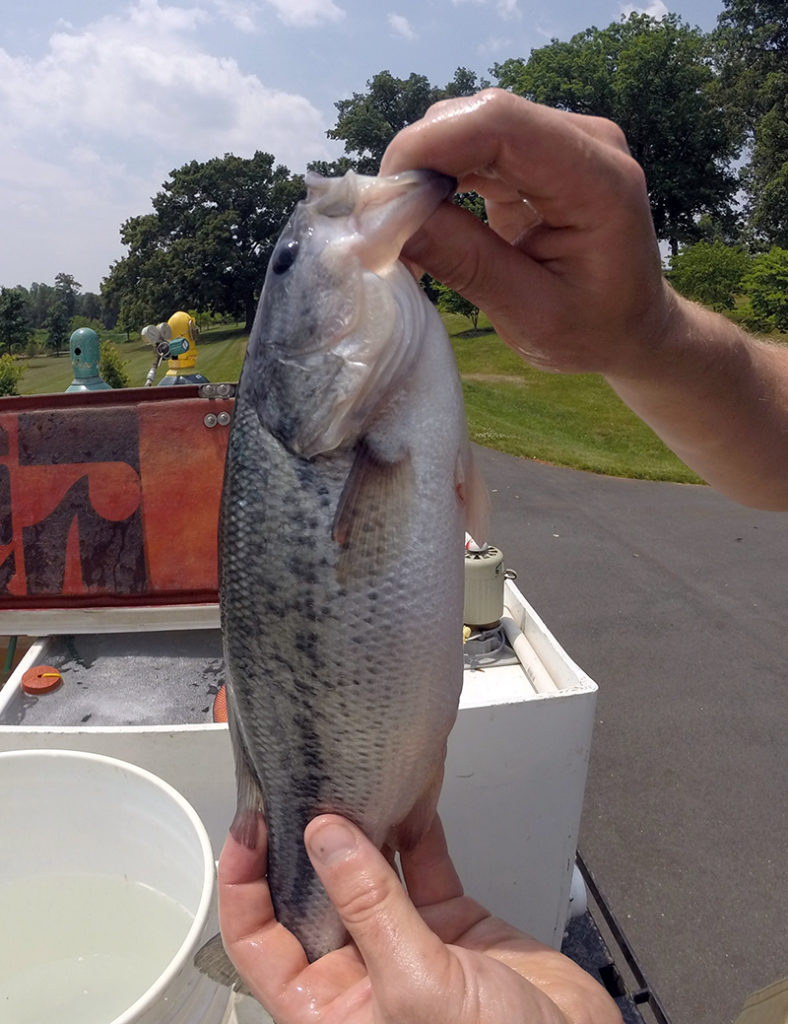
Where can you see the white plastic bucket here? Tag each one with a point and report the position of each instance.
(106, 892)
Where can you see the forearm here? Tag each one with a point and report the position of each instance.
(719, 398)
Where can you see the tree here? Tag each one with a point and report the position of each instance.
(138, 286)
(767, 286)
(89, 305)
(65, 303)
(66, 292)
(40, 300)
(14, 324)
(751, 49)
(368, 121)
(58, 325)
(10, 375)
(450, 301)
(652, 78)
(85, 321)
(332, 168)
(112, 368)
(709, 272)
(207, 243)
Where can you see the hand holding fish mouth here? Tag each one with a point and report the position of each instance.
(429, 954)
(572, 242)
(571, 279)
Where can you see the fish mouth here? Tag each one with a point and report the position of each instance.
(340, 197)
(385, 211)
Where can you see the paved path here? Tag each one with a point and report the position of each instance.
(673, 599)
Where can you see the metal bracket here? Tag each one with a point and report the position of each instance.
(643, 993)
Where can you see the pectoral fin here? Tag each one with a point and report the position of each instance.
(472, 492)
(213, 961)
(372, 515)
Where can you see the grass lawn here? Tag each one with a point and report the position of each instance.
(220, 354)
(574, 421)
(569, 420)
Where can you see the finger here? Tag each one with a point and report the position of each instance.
(265, 953)
(244, 896)
(428, 870)
(374, 906)
(553, 159)
(513, 219)
(479, 263)
(435, 887)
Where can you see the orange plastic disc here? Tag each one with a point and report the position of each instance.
(220, 706)
(41, 679)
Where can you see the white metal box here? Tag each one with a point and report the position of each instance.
(514, 782)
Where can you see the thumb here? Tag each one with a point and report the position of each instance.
(467, 255)
(390, 933)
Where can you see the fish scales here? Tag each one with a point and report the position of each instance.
(343, 514)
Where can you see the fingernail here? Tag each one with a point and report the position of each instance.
(331, 843)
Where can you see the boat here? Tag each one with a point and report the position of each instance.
(108, 561)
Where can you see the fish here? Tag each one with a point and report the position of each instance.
(349, 485)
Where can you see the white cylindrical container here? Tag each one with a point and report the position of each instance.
(106, 893)
(484, 576)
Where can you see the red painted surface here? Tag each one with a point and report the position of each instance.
(109, 498)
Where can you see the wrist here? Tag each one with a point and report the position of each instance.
(685, 342)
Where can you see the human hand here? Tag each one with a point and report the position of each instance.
(427, 955)
(579, 290)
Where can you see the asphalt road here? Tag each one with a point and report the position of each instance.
(672, 598)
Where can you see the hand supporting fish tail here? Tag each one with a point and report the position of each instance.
(424, 954)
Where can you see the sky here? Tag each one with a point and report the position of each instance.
(101, 99)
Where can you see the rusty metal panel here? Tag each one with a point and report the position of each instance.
(110, 498)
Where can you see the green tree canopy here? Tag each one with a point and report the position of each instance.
(62, 308)
(653, 78)
(113, 369)
(58, 327)
(450, 301)
(10, 375)
(40, 300)
(767, 286)
(368, 121)
(751, 49)
(14, 322)
(710, 272)
(67, 290)
(207, 243)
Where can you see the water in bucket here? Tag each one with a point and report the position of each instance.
(89, 945)
(106, 886)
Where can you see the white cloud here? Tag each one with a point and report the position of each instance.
(146, 77)
(93, 127)
(401, 26)
(505, 8)
(240, 14)
(494, 46)
(654, 9)
(305, 13)
(508, 8)
(64, 215)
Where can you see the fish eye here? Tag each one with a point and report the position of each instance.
(285, 257)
